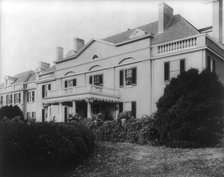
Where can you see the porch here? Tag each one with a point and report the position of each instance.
(85, 102)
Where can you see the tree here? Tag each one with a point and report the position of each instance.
(190, 113)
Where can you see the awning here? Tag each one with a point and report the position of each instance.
(82, 97)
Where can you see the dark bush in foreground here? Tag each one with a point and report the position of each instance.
(11, 112)
(44, 145)
(190, 113)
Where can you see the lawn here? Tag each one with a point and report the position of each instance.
(131, 160)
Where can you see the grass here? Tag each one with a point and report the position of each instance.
(131, 160)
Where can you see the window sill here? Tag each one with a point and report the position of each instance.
(128, 86)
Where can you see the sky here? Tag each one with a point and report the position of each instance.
(30, 30)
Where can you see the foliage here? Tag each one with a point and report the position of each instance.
(141, 131)
(44, 145)
(190, 113)
(12, 113)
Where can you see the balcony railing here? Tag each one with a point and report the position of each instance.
(83, 90)
(179, 45)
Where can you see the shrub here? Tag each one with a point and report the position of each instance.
(141, 131)
(190, 113)
(11, 112)
(44, 145)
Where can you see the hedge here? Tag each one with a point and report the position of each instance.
(44, 145)
(140, 131)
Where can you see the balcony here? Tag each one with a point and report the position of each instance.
(83, 90)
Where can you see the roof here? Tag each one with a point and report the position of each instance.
(177, 28)
(26, 76)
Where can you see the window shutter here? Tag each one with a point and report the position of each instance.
(19, 97)
(90, 79)
(133, 108)
(28, 94)
(213, 66)
(43, 89)
(121, 78)
(74, 82)
(15, 98)
(182, 66)
(101, 79)
(208, 63)
(134, 72)
(166, 71)
(33, 96)
(120, 107)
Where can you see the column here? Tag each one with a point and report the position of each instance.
(60, 112)
(89, 110)
(73, 107)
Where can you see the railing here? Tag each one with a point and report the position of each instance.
(177, 45)
(83, 90)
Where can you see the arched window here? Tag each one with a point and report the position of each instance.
(69, 73)
(125, 60)
(94, 67)
(95, 57)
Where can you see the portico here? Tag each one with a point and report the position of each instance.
(85, 106)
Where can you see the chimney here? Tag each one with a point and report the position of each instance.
(217, 20)
(165, 15)
(44, 66)
(78, 44)
(59, 53)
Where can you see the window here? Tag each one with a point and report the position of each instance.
(173, 69)
(1, 100)
(45, 89)
(166, 71)
(95, 57)
(70, 83)
(210, 64)
(96, 79)
(30, 96)
(120, 107)
(17, 98)
(31, 115)
(128, 77)
(8, 99)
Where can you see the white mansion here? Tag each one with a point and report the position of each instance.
(124, 72)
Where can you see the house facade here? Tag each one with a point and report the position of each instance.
(124, 72)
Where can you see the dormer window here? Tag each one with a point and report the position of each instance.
(95, 57)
